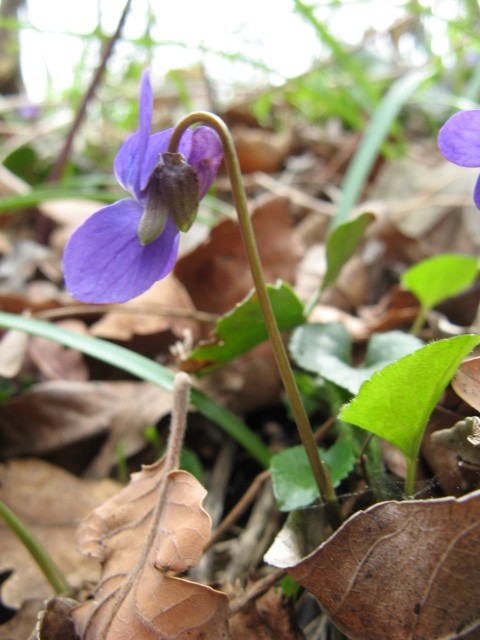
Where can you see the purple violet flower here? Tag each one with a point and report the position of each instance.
(459, 142)
(104, 260)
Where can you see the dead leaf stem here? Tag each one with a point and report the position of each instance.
(239, 508)
(181, 393)
(257, 590)
(171, 459)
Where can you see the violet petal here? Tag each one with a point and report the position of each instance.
(104, 261)
(130, 157)
(476, 193)
(205, 156)
(459, 138)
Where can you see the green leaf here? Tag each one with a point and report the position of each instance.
(311, 342)
(440, 277)
(293, 483)
(244, 327)
(375, 134)
(325, 349)
(341, 243)
(144, 369)
(397, 401)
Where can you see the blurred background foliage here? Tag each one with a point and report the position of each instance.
(351, 65)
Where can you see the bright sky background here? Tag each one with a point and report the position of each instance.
(265, 30)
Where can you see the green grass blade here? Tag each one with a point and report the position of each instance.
(144, 369)
(45, 563)
(375, 135)
(37, 196)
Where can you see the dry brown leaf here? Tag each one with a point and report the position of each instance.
(38, 296)
(154, 525)
(20, 626)
(128, 425)
(57, 413)
(55, 361)
(51, 502)
(13, 348)
(420, 196)
(71, 213)
(397, 570)
(463, 438)
(167, 294)
(270, 617)
(55, 620)
(18, 266)
(261, 150)
(357, 327)
(452, 477)
(216, 274)
(466, 382)
(247, 383)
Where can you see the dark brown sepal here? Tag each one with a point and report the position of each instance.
(172, 191)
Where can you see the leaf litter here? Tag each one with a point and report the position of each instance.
(60, 402)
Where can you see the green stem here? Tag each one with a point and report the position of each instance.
(320, 472)
(409, 486)
(419, 322)
(45, 563)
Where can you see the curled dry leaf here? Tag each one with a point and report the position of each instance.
(397, 570)
(154, 525)
(466, 382)
(54, 621)
(463, 438)
(453, 478)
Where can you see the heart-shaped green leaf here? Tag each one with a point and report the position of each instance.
(293, 483)
(325, 349)
(397, 401)
(440, 277)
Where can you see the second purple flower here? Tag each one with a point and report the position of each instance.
(459, 142)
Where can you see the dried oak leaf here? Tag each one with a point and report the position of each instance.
(166, 306)
(51, 502)
(269, 617)
(154, 525)
(216, 273)
(54, 414)
(397, 570)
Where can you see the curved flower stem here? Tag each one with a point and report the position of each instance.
(320, 472)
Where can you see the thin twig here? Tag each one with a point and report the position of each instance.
(59, 165)
(258, 589)
(240, 508)
(154, 310)
(250, 494)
